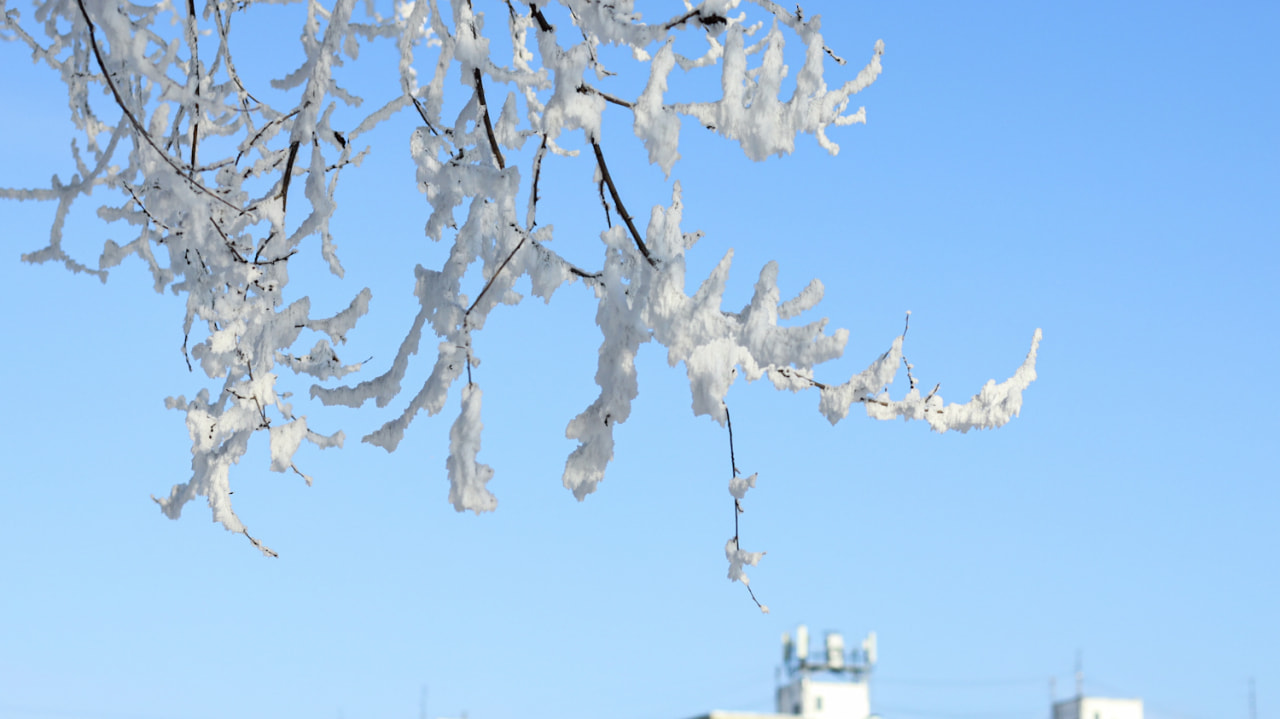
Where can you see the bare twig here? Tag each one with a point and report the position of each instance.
(288, 175)
(253, 140)
(532, 214)
(608, 219)
(193, 40)
(932, 392)
(617, 203)
(488, 125)
(586, 89)
(709, 20)
(543, 25)
(494, 276)
(422, 112)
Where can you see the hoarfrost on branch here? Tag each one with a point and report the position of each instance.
(205, 172)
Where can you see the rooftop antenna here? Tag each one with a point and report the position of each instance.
(422, 704)
(802, 644)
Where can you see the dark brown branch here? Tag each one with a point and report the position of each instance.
(573, 270)
(494, 276)
(543, 25)
(254, 139)
(137, 126)
(586, 89)
(531, 218)
(608, 220)
(695, 14)
(488, 125)
(583, 273)
(141, 206)
(422, 112)
(932, 392)
(195, 69)
(235, 254)
(617, 203)
(288, 175)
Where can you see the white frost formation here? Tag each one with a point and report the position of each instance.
(205, 172)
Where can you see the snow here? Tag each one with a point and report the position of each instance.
(218, 233)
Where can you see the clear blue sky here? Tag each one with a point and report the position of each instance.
(1109, 172)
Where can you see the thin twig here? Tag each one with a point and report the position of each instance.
(224, 29)
(494, 276)
(195, 69)
(288, 175)
(532, 214)
(422, 112)
(253, 140)
(906, 326)
(488, 125)
(261, 547)
(608, 219)
(586, 89)
(932, 392)
(737, 504)
(227, 240)
(617, 203)
(137, 126)
(145, 211)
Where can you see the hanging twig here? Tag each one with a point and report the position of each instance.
(737, 504)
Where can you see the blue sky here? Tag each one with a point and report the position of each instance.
(1107, 172)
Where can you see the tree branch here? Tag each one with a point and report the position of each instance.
(137, 126)
(586, 89)
(488, 125)
(617, 203)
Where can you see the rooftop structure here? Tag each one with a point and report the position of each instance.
(832, 684)
(829, 685)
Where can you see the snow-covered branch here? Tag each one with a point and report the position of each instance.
(201, 167)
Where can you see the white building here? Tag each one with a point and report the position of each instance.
(1097, 708)
(833, 685)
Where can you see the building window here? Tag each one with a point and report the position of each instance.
(817, 704)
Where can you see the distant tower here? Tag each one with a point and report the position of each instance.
(833, 686)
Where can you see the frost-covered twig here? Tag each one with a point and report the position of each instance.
(220, 216)
(738, 489)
